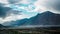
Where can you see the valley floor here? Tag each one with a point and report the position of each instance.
(26, 31)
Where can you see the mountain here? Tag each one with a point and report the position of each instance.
(46, 18)
(16, 23)
(1, 26)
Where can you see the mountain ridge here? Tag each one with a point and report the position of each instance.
(46, 18)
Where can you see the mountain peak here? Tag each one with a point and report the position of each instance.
(45, 13)
(48, 12)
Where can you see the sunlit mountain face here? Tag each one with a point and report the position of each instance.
(29, 12)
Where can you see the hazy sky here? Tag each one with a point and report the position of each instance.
(20, 9)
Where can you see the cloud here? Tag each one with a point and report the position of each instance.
(46, 5)
(10, 14)
(12, 9)
(53, 5)
(14, 1)
(18, 1)
(12, 17)
(40, 5)
(7, 14)
(4, 1)
(3, 10)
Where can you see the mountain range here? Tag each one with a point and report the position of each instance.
(46, 18)
(1, 26)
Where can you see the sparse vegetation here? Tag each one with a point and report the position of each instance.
(25, 31)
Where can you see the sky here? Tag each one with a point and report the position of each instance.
(20, 9)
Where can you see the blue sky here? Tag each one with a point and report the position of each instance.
(25, 11)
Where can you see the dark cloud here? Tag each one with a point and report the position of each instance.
(54, 4)
(57, 6)
(13, 1)
(3, 10)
